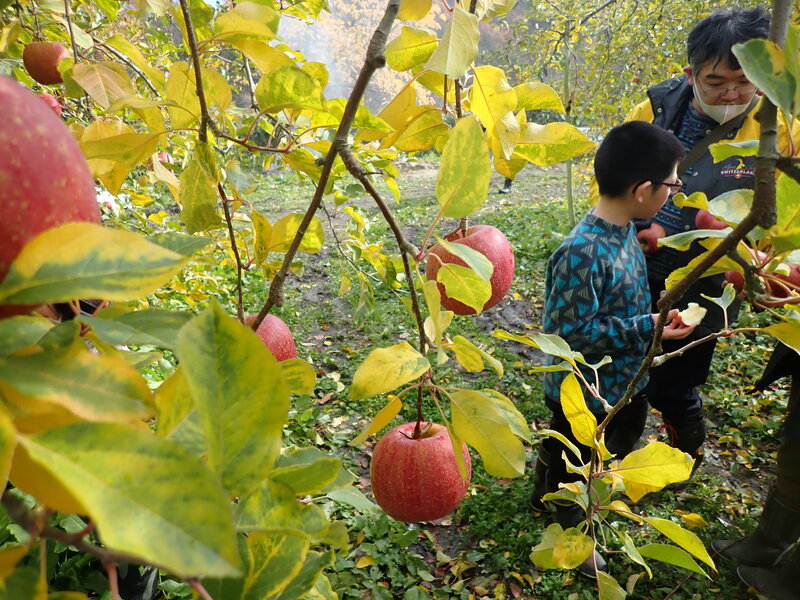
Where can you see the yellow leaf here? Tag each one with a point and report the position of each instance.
(581, 420)
(381, 420)
(9, 557)
(571, 548)
(36, 480)
(651, 468)
(458, 46)
(411, 48)
(481, 424)
(685, 539)
(263, 232)
(493, 101)
(105, 82)
(537, 96)
(365, 561)
(267, 58)
(181, 89)
(413, 10)
(419, 132)
(552, 143)
(386, 369)
(247, 21)
(285, 229)
(127, 149)
(463, 180)
(101, 130)
(299, 376)
(137, 58)
(694, 521)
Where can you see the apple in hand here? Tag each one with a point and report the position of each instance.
(418, 479)
(648, 238)
(44, 178)
(490, 242)
(705, 220)
(41, 61)
(277, 337)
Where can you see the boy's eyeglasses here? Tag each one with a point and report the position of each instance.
(718, 92)
(674, 188)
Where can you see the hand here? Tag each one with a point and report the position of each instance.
(675, 329)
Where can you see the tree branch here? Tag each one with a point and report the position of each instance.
(205, 118)
(232, 234)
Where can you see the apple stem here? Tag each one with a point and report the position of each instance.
(418, 426)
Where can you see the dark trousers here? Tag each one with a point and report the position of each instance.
(622, 435)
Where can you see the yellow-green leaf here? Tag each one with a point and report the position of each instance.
(458, 46)
(92, 262)
(764, 63)
(672, 555)
(651, 468)
(478, 421)
(787, 332)
(273, 507)
(24, 583)
(516, 420)
(608, 588)
(571, 548)
(182, 90)
(420, 132)
(285, 229)
(463, 180)
(240, 394)
(493, 101)
(551, 143)
(247, 21)
(695, 200)
(267, 58)
(537, 96)
(542, 554)
(151, 327)
(289, 87)
(105, 82)
(21, 331)
(581, 420)
(198, 192)
(306, 470)
(299, 376)
(685, 539)
(146, 496)
(465, 285)
(381, 420)
(133, 52)
(8, 441)
(412, 47)
(9, 557)
(386, 369)
(128, 149)
(263, 232)
(413, 10)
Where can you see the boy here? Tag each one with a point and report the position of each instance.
(597, 298)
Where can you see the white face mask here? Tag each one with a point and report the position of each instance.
(719, 112)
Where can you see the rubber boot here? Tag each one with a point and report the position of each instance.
(540, 481)
(777, 530)
(687, 435)
(778, 583)
(506, 189)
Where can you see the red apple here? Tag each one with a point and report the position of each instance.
(51, 102)
(705, 220)
(276, 336)
(648, 238)
(44, 179)
(736, 278)
(490, 242)
(418, 480)
(41, 61)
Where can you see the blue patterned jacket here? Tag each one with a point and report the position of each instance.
(597, 299)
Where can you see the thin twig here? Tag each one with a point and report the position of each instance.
(198, 587)
(68, 18)
(232, 234)
(205, 118)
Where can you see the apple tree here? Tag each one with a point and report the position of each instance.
(185, 468)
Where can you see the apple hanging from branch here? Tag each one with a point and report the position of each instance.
(705, 220)
(276, 335)
(418, 479)
(490, 242)
(41, 61)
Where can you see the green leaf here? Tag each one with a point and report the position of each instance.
(465, 285)
(386, 369)
(127, 149)
(303, 581)
(247, 21)
(785, 234)
(463, 180)
(732, 207)
(552, 143)
(787, 332)
(765, 66)
(146, 496)
(411, 48)
(8, 441)
(299, 376)
(306, 470)
(24, 583)
(152, 327)
(133, 52)
(92, 262)
(458, 46)
(537, 96)
(92, 386)
(725, 150)
(185, 245)
(355, 498)
(105, 82)
(651, 468)
(20, 332)
(240, 395)
(685, 539)
(477, 421)
(672, 555)
(274, 508)
(608, 588)
(381, 420)
(322, 589)
(472, 258)
(198, 191)
(726, 299)
(493, 101)
(683, 241)
(285, 229)
(413, 10)
(289, 87)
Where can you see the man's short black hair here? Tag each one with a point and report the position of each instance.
(712, 38)
(635, 152)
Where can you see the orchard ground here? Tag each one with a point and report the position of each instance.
(482, 550)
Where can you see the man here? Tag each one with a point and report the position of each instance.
(714, 99)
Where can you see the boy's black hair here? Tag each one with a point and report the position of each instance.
(635, 152)
(712, 38)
